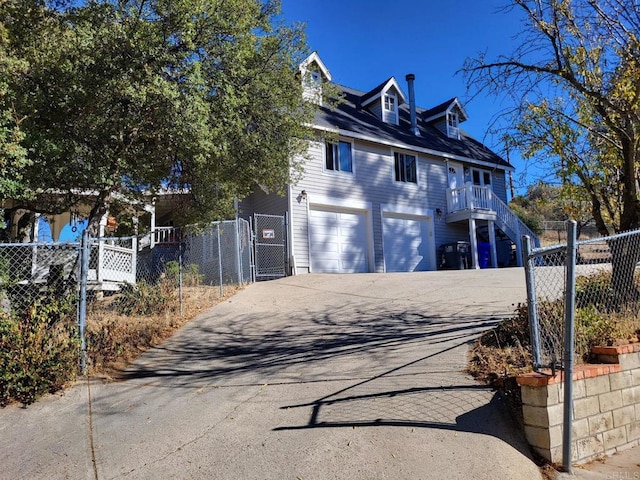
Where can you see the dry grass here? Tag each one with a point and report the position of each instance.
(503, 351)
(114, 339)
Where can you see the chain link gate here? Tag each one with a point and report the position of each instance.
(270, 245)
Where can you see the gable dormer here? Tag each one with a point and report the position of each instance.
(447, 117)
(384, 101)
(313, 73)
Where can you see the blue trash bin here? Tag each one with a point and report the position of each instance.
(484, 254)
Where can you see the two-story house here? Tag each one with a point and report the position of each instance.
(387, 184)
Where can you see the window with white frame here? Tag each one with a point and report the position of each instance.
(481, 178)
(453, 130)
(405, 168)
(391, 107)
(338, 157)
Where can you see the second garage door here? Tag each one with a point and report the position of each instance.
(408, 243)
(338, 241)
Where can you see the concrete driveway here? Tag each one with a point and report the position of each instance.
(309, 377)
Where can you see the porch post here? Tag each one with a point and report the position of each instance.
(471, 202)
(492, 241)
(152, 210)
(103, 224)
(474, 243)
(518, 244)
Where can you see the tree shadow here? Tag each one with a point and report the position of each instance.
(245, 349)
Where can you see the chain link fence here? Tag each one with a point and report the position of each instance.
(270, 243)
(607, 289)
(580, 294)
(126, 275)
(30, 270)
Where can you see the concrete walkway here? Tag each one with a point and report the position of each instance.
(309, 377)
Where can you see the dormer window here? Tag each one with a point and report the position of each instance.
(390, 108)
(313, 73)
(315, 79)
(453, 130)
(384, 101)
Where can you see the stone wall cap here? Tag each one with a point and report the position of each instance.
(535, 379)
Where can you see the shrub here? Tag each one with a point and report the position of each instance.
(38, 349)
(191, 276)
(506, 349)
(531, 220)
(145, 299)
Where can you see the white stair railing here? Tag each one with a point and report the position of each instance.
(474, 197)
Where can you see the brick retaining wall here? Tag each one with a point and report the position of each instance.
(606, 406)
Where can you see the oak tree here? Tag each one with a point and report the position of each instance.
(121, 99)
(574, 76)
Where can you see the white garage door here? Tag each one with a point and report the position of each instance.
(338, 241)
(407, 243)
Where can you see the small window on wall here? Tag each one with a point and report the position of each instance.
(405, 168)
(390, 103)
(338, 157)
(481, 177)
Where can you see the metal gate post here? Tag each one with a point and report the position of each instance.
(532, 307)
(220, 261)
(569, 305)
(238, 261)
(82, 307)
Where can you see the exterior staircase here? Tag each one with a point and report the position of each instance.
(480, 203)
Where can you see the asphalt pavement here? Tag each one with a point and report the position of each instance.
(307, 377)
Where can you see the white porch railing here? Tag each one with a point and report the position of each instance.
(115, 260)
(473, 198)
(159, 235)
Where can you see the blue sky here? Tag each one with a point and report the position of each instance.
(364, 42)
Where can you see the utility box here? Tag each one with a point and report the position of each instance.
(455, 255)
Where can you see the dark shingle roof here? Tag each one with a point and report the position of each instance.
(374, 92)
(349, 116)
(438, 108)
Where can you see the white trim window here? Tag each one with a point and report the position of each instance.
(453, 122)
(481, 178)
(338, 157)
(390, 107)
(405, 168)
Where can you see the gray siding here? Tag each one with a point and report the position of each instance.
(376, 108)
(441, 125)
(373, 182)
(371, 185)
(499, 184)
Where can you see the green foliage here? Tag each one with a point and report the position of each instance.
(132, 96)
(506, 350)
(38, 349)
(191, 276)
(13, 158)
(531, 220)
(573, 77)
(595, 291)
(146, 299)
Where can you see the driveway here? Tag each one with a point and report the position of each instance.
(308, 377)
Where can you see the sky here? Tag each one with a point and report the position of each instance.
(364, 42)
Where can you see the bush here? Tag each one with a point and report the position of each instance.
(191, 276)
(38, 349)
(506, 349)
(531, 220)
(146, 299)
